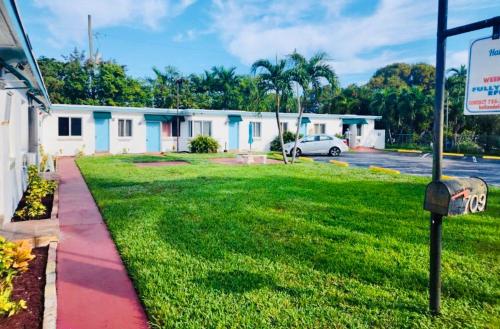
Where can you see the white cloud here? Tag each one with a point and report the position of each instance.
(254, 30)
(457, 58)
(67, 20)
(357, 44)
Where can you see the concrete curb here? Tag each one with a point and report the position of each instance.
(409, 151)
(453, 154)
(339, 163)
(55, 203)
(50, 304)
(446, 154)
(382, 170)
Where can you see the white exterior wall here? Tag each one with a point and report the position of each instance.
(13, 151)
(68, 145)
(57, 145)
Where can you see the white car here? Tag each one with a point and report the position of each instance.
(318, 144)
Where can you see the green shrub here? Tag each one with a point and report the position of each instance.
(468, 147)
(288, 137)
(38, 188)
(14, 258)
(203, 144)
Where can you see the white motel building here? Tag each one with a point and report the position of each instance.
(28, 120)
(83, 129)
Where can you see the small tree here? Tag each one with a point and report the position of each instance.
(307, 73)
(288, 137)
(275, 78)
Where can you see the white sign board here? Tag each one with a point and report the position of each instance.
(482, 95)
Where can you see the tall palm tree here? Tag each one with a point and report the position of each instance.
(461, 71)
(226, 81)
(275, 78)
(309, 74)
(163, 86)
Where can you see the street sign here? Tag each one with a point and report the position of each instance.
(482, 95)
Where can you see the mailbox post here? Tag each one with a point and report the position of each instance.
(437, 218)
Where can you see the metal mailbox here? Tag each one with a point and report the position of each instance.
(456, 196)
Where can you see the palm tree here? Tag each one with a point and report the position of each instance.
(163, 86)
(308, 74)
(460, 72)
(275, 78)
(455, 87)
(225, 81)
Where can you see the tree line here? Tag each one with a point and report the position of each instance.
(403, 94)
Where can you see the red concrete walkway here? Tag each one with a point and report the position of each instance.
(93, 289)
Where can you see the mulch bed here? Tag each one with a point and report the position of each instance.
(236, 161)
(47, 202)
(161, 163)
(29, 286)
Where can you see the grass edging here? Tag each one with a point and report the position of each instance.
(50, 294)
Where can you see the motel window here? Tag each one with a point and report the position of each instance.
(166, 129)
(124, 128)
(256, 129)
(169, 129)
(284, 126)
(359, 130)
(203, 128)
(319, 128)
(69, 126)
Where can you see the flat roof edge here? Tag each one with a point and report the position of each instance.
(70, 107)
(13, 12)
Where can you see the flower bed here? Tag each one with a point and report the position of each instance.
(47, 201)
(38, 199)
(29, 286)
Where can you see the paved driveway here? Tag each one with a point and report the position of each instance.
(489, 170)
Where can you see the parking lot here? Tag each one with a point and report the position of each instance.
(417, 164)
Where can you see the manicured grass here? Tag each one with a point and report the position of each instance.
(304, 246)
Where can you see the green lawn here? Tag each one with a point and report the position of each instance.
(303, 246)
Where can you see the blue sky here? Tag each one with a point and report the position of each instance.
(193, 35)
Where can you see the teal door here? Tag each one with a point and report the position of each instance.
(234, 135)
(101, 135)
(152, 136)
(303, 129)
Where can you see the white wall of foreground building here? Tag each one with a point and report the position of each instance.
(86, 141)
(18, 148)
(22, 96)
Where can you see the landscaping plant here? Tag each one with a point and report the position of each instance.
(203, 144)
(288, 137)
(14, 258)
(38, 188)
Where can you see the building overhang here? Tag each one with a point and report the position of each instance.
(17, 58)
(234, 118)
(358, 121)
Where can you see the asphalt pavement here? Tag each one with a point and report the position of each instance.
(418, 164)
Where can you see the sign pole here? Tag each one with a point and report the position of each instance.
(437, 219)
(437, 170)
